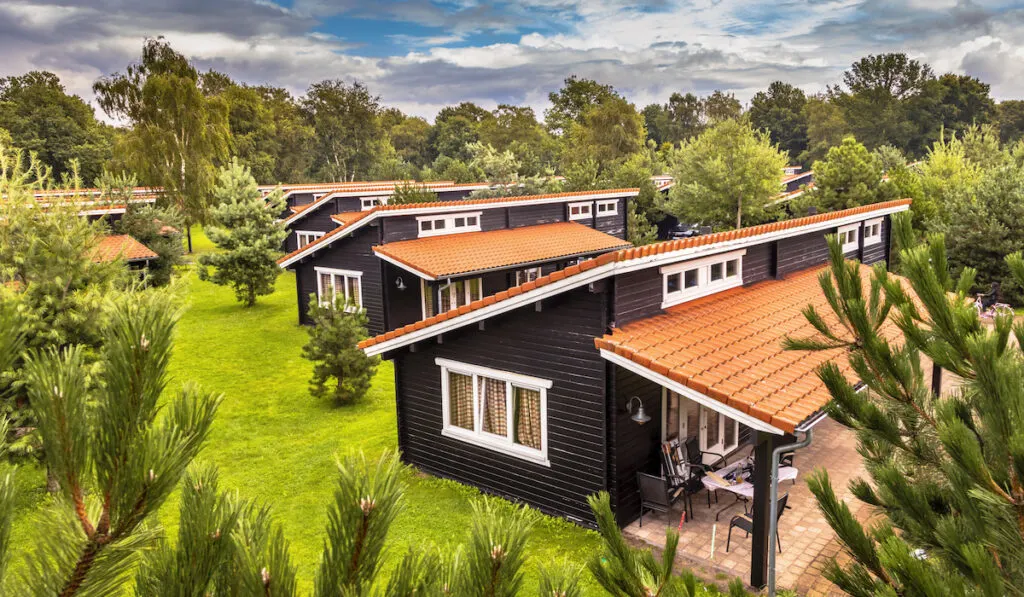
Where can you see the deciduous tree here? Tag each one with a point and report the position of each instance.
(571, 103)
(780, 111)
(726, 177)
(346, 120)
(177, 134)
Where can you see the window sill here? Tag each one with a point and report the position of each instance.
(872, 241)
(527, 454)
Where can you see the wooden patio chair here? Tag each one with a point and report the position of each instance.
(744, 522)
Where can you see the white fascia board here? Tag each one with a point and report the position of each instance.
(404, 266)
(325, 240)
(616, 267)
(688, 392)
(483, 313)
(462, 206)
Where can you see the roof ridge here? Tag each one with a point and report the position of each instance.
(627, 255)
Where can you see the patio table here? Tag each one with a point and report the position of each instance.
(732, 479)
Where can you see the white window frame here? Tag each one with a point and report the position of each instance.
(705, 285)
(488, 440)
(334, 290)
(312, 235)
(528, 274)
(872, 235)
(719, 448)
(844, 232)
(701, 433)
(585, 210)
(611, 208)
(368, 203)
(449, 224)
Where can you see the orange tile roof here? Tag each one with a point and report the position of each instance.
(348, 217)
(413, 207)
(454, 254)
(728, 346)
(628, 255)
(122, 246)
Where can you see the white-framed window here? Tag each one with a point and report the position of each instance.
(450, 296)
(498, 410)
(318, 195)
(849, 237)
(448, 224)
(608, 208)
(872, 232)
(689, 280)
(368, 203)
(527, 275)
(304, 237)
(581, 211)
(335, 284)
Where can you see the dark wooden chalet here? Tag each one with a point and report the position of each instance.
(531, 393)
(310, 221)
(92, 203)
(402, 263)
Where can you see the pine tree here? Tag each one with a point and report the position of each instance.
(116, 455)
(946, 472)
(248, 233)
(332, 343)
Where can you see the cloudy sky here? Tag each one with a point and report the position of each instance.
(422, 54)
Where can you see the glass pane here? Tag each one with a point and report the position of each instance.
(492, 406)
(326, 292)
(672, 282)
(527, 418)
(471, 221)
(692, 417)
(460, 400)
(439, 224)
(446, 298)
(426, 225)
(690, 278)
(711, 421)
(729, 438)
(717, 271)
(459, 290)
(428, 298)
(474, 289)
(460, 222)
(353, 292)
(731, 267)
(672, 416)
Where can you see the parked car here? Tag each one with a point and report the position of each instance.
(682, 230)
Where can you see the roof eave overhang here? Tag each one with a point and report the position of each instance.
(617, 267)
(688, 392)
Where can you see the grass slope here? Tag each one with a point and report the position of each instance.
(276, 444)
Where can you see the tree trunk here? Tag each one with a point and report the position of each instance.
(739, 212)
(188, 233)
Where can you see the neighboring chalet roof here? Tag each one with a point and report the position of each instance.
(621, 261)
(438, 257)
(288, 189)
(728, 346)
(91, 192)
(788, 178)
(351, 221)
(122, 246)
(372, 189)
(783, 197)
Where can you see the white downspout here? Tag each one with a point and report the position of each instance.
(773, 523)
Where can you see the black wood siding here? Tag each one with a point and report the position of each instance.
(613, 225)
(531, 215)
(632, 448)
(637, 295)
(556, 343)
(352, 253)
(402, 306)
(801, 252)
(759, 263)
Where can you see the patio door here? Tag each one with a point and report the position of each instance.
(683, 418)
(718, 433)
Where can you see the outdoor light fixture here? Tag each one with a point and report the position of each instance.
(640, 417)
(399, 283)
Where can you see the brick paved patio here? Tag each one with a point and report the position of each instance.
(807, 540)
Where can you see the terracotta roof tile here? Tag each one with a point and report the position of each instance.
(671, 246)
(122, 246)
(777, 386)
(455, 254)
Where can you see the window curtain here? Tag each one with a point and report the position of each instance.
(353, 292)
(446, 298)
(460, 400)
(492, 402)
(326, 289)
(527, 418)
(428, 298)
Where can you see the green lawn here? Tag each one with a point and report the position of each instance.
(274, 443)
